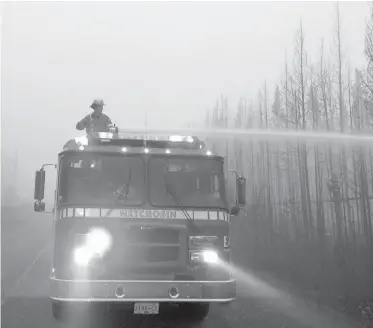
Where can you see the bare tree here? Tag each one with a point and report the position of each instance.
(368, 78)
(339, 54)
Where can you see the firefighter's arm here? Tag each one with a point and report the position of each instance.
(109, 122)
(81, 125)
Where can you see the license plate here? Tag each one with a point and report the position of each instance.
(146, 308)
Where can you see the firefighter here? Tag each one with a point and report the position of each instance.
(97, 121)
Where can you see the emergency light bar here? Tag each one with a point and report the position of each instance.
(142, 136)
(140, 139)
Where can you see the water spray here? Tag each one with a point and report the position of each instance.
(258, 134)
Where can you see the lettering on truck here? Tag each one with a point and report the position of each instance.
(154, 214)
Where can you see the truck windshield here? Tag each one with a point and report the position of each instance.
(197, 182)
(102, 180)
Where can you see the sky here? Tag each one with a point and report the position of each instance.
(171, 60)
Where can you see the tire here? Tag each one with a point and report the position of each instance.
(195, 311)
(59, 311)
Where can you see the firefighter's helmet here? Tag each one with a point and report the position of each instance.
(97, 103)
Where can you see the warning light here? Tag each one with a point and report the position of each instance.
(82, 141)
(189, 139)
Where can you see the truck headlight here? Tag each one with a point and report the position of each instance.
(96, 243)
(204, 256)
(82, 256)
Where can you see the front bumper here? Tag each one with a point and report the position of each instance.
(142, 291)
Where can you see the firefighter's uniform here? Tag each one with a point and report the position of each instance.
(97, 121)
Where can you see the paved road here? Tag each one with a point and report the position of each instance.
(26, 252)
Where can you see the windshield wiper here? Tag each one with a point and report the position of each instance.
(176, 199)
(124, 191)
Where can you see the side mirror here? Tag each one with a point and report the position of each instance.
(39, 207)
(39, 185)
(234, 210)
(241, 191)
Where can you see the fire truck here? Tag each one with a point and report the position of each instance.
(140, 221)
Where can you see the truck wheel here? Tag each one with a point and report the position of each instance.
(195, 311)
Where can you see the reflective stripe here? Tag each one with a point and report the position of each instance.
(142, 213)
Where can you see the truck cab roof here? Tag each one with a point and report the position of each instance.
(139, 143)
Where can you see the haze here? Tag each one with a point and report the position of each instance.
(172, 60)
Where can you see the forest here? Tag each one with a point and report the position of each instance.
(308, 218)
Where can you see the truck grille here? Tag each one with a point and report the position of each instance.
(163, 254)
(136, 235)
(151, 245)
(136, 251)
(139, 250)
